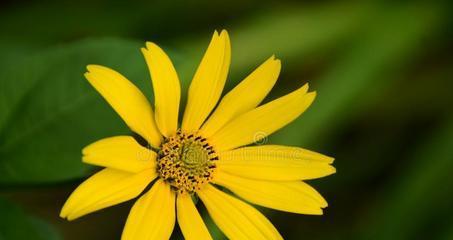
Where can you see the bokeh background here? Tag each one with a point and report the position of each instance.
(382, 69)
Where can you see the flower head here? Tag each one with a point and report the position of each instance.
(209, 152)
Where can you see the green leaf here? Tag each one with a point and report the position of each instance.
(50, 112)
(15, 224)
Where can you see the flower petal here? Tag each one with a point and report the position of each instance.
(127, 100)
(244, 97)
(235, 218)
(167, 91)
(273, 162)
(208, 82)
(153, 215)
(294, 196)
(190, 221)
(121, 153)
(106, 188)
(262, 121)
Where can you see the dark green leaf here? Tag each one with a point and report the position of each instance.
(50, 112)
(15, 224)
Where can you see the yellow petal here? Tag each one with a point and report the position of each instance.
(235, 218)
(190, 221)
(167, 90)
(244, 97)
(127, 100)
(153, 215)
(208, 82)
(255, 125)
(106, 188)
(278, 163)
(294, 196)
(121, 153)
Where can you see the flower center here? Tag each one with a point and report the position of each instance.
(186, 161)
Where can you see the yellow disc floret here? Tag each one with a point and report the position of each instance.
(186, 161)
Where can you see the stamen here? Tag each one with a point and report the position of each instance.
(186, 161)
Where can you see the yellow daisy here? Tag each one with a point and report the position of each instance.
(203, 156)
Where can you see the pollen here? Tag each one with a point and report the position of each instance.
(186, 161)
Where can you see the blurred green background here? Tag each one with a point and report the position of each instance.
(382, 69)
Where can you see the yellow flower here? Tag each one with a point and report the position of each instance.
(201, 157)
